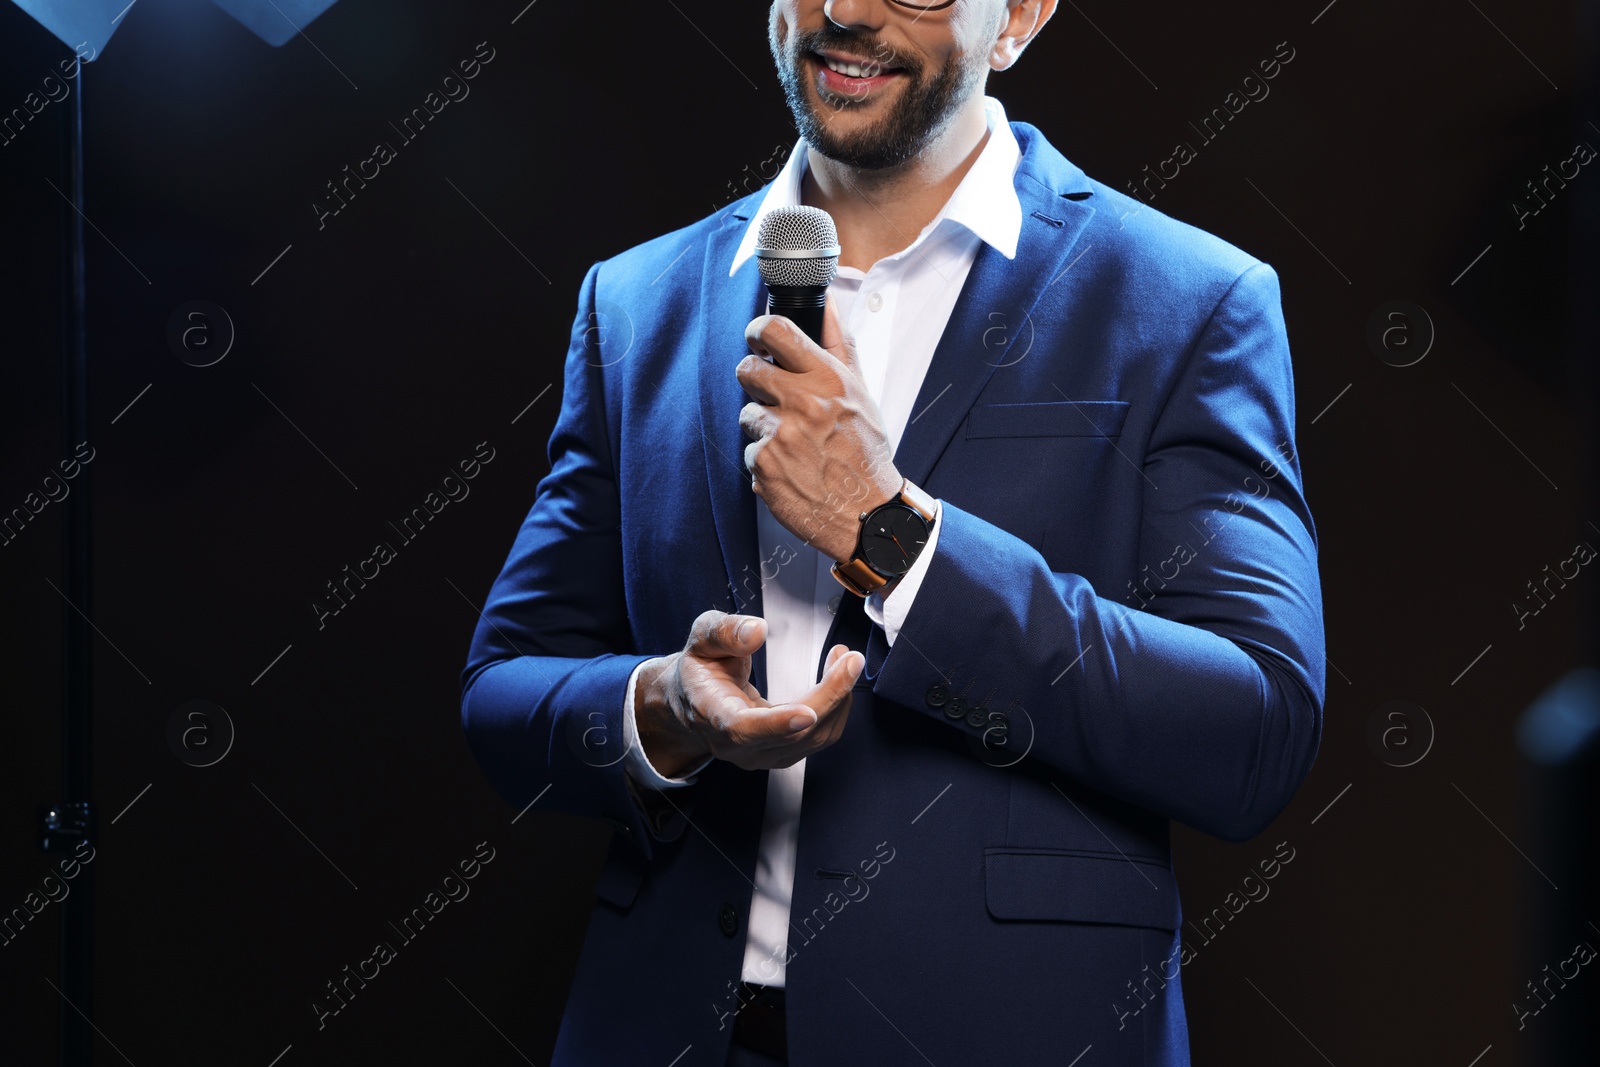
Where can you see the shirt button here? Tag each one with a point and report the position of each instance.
(875, 302)
(728, 919)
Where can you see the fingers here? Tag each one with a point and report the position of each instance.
(834, 722)
(852, 674)
(838, 678)
(741, 726)
(758, 420)
(732, 717)
(784, 734)
(737, 725)
(790, 348)
(763, 728)
(751, 451)
(780, 338)
(791, 352)
(719, 635)
(760, 379)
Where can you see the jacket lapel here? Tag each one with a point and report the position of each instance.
(726, 306)
(991, 325)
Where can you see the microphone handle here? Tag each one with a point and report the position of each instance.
(800, 304)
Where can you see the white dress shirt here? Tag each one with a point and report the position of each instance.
(897, 312)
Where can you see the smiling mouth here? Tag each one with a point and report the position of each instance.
(853, 69)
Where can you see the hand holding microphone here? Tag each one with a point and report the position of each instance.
(819, 454)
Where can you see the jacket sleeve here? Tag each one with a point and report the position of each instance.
(1202, 699)
(546, 679)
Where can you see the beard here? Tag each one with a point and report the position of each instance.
(915, 117)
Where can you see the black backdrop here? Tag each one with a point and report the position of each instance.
(377, 347)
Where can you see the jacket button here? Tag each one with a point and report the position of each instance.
(956, 709)
(978, 716)
(999, 718)
(728, 919)
(938, 695)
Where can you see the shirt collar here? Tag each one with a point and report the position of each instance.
(985, 202)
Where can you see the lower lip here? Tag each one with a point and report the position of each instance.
(845, 85)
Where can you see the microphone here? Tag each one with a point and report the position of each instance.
(797, 252)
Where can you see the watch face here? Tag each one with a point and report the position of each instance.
(891, 539)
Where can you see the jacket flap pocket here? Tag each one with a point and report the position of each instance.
(1051, 418)
(1083, 887)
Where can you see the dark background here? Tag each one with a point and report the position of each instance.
(434, 309)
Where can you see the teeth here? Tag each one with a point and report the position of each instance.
(854, 70)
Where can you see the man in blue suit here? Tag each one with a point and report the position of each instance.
(891, 659)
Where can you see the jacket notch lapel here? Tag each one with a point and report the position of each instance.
(726, 305)
(992, 324)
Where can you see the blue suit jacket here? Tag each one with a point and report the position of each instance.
(1126, 566)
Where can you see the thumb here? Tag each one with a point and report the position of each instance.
(838, 343)
(718, 635)
(749, 632)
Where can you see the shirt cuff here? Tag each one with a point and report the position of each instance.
(635, 762)
(891, 613)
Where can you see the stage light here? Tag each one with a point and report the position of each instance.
(92, 22)
(85, 26)
(275, 22)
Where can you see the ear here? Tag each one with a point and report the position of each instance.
(1023, 21)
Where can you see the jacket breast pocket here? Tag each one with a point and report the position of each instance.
(1050, 418)
(1069, 885)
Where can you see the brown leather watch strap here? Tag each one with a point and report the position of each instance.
(854, 573)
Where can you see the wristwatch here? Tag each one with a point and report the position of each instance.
(892, 536)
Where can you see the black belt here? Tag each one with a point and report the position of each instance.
(760, 1025)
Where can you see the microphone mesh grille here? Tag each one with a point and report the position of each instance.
(798, 228)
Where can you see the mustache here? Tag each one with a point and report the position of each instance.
(834, 38)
